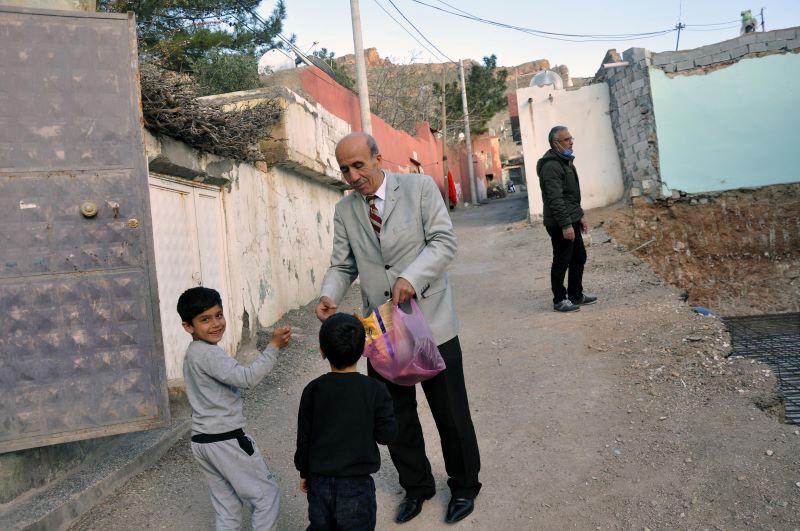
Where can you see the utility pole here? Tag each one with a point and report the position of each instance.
(762, 19)
(445, 180)
(473, 185)
(679, 26)
(361, 69)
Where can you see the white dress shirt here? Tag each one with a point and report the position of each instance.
(380, 197)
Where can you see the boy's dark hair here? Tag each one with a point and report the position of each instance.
(341, 339)
(195, 301)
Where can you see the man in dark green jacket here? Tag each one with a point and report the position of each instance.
(564, 221)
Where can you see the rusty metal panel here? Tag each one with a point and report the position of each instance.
(81, 355)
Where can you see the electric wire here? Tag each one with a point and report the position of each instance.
(570, 37)
(406, 30)
(420, 33)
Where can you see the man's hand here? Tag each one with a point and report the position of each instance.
(325, 308)
(584, 225)
(403, 291)
(281, 337)
(304, 486)
(569, 233)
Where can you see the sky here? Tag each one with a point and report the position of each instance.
(328, 23)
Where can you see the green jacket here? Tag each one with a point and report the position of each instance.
(561, 190)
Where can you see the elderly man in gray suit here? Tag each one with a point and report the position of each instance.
(396, 235)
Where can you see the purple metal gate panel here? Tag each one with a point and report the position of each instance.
(80, 353)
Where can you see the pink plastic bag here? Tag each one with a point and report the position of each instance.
(406, 354)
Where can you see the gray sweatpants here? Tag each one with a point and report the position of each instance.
(233, 477)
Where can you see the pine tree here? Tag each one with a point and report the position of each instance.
(180, 34)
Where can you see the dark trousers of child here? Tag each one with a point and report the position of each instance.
(344, 503)
(447, 397)
(568, 255)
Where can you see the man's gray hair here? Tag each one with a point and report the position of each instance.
(373, 146)
(553, 132)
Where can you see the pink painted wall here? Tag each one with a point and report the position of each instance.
(399, 149)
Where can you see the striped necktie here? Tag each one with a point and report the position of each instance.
(374, 217)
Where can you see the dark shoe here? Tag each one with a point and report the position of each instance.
(409, 508)
(585, 299)
(458, 509)
(565, 306)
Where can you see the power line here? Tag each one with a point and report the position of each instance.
(570, 37)
(713, 29)
(420, 33)
(715, 23)
(406, 30)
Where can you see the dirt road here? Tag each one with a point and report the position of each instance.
(625, 415)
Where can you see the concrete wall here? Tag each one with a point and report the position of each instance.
(632, 117)
(729, 128)
(69, 5)
(586, 112)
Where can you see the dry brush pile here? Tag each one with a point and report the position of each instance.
(170, 107)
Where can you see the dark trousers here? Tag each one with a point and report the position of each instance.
(346, 503)
(447, 397)
(567, 256)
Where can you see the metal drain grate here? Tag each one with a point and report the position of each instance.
(775, 340)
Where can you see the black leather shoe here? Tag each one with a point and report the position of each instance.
(409, 508)
(458, 509)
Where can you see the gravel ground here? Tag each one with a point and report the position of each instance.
(625, 415)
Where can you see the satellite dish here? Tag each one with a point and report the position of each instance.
(547, 77)
(275, 60)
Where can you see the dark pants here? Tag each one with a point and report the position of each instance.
(567, 256)
(447, 397)
(346, 503)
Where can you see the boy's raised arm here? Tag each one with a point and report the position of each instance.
(227, 370)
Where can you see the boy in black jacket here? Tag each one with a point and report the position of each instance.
(343, 414)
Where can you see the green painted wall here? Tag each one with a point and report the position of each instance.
(735, 127)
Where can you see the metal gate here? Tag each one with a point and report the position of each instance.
(81, 353)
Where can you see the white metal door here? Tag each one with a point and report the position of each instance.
(188, 233)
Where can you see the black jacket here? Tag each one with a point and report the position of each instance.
(561, 190)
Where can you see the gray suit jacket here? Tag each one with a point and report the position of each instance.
(417, 243)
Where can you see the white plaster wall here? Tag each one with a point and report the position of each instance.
(280, 232)
(586, 113)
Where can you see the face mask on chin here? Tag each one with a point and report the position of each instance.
(567, 153)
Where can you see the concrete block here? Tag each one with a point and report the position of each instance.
(704, 61)
(793, 44)
(664, 58)
(635, 192)
(684, 65)
(776, 45)
(785, 34)
(633, 54)
(747, 38)
(739, 52)
(669, 68)
(640, 146)
(721, 57)
(757, 47)
(638, 84)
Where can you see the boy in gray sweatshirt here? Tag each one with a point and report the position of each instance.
(230, 459)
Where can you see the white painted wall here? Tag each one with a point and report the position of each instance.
(280, 232)
(278, 220)
(586, 113)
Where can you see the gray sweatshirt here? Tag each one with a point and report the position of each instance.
(213, 380)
